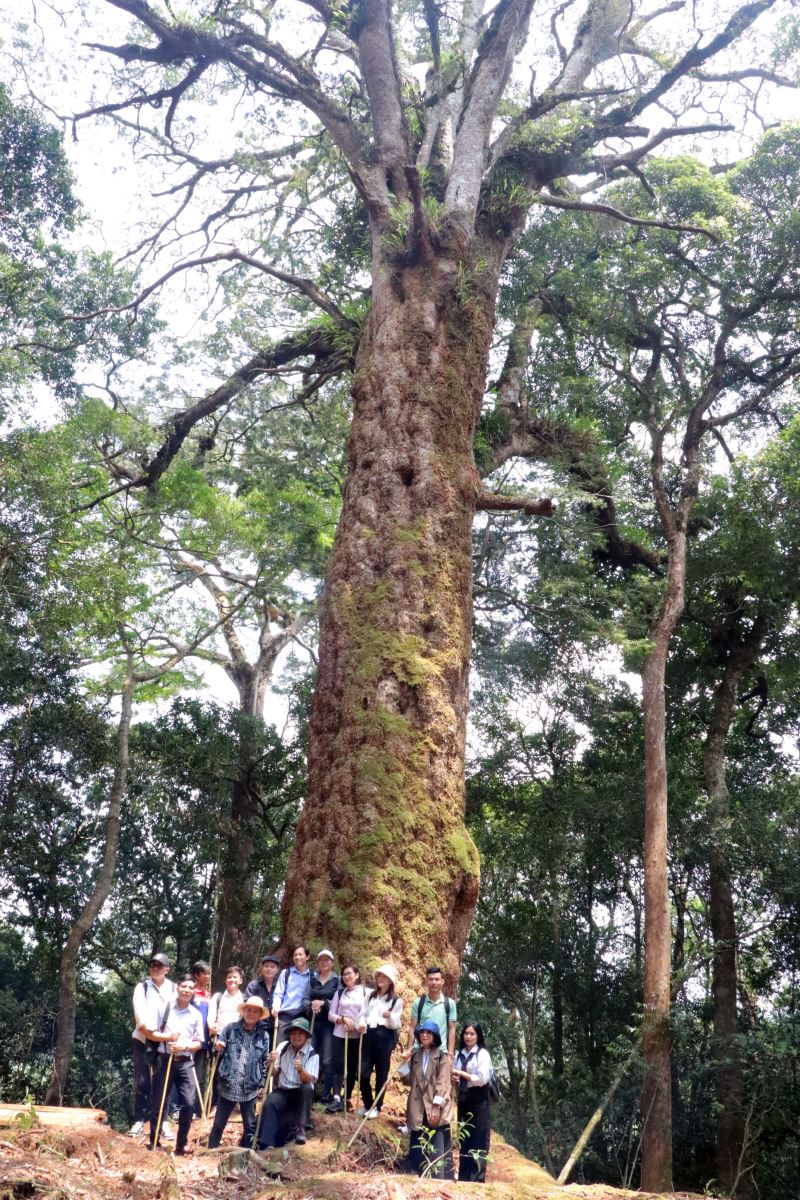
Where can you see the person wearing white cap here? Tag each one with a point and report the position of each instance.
(379, 1021)
(324, 985)
(244, 1046)
(152, 1000)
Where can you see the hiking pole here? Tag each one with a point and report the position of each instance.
(313, 1019)
(198, 1092)
(344, 1082)
(157, 1133)
(389, 1079)
(267, 1090)
(210, 1085)
(358, 1078)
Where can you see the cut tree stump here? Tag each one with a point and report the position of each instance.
(50, 1114)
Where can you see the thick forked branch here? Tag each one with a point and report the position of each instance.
(375, 41)
(495, 502)
(484, 89)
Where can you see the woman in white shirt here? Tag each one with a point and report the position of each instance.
(223, 1007)
(379, 1021)
(473, 1070)
(343, 1014)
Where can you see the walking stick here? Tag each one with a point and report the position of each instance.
(198, 1092)
(210, 1084)
(157, 1134)
(358, 1080)
(389, 1079)
(344, 1082)
(267, 1090)
(313, 1019)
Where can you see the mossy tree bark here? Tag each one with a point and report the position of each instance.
(383, 865)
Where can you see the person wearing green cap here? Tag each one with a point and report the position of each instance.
(286, 1110)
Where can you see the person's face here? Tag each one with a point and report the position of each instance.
(233, 981)
(158, 973)
(268, 972)
(470, 1037)
(324, 965)
(202, 980)
(251, 1015)
(298, 1038)
(185, 993)
(300, 958)
(382, 981)
(426, 1039)
(435, 982)
(349, 977)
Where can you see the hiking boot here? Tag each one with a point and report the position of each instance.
(300, 1137)
(335, 1106)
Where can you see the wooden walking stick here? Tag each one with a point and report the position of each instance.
(344, 1081)
(157, 1133)
(389, 1079)
(210, 1084)
(198, 1092)
(358, 1077)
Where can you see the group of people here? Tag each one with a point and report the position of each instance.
(295, 1034)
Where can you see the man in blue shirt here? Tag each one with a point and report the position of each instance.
(292, 992)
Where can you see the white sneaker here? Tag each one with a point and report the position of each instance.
(361, 1111)
(373, 1114)
(403, 1129)
(136, 1129)
(166, 1132)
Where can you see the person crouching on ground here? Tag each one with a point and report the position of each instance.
(430, 1105)
(181, 1036)
(286, 1110)
(244, 1050)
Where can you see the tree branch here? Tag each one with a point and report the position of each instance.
(493, 502)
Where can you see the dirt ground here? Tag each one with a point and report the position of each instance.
(54, 1164)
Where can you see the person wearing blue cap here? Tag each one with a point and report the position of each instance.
(430, 1107)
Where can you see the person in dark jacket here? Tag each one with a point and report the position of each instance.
(244, 1047)
(324, 986)
(265, 986)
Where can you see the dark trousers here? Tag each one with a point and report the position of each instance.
(474, 1113)
(182, 1080)
(430, 1152)
(376, 1055)
(338, 1065)
(224, 1109)
(322, 1038)
(142, 1083)
(284, 1111)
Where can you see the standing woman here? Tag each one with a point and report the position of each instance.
(324, 985)
(380, 1023)
(343, 1014)
(430, 1106)
(473, 1071)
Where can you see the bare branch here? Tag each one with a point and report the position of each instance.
(493, 502)
(551, 201)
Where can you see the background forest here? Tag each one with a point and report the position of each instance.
(160, 576)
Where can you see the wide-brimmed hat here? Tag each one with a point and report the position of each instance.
(253, 1002)
(389, 970)
(430, 1027)
(161, 959)
(301, 1023)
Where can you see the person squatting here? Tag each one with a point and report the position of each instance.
(294, 1031)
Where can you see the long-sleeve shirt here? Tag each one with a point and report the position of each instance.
(292, 990)
(373, 1008)
(478, 1063)
(347, 1003)
(149, 1004)
(223, 1009)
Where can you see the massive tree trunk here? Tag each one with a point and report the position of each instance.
(383, 865)
(68, 971)
(732, 1175)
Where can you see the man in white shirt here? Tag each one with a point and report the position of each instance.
(150, 999)
(180, 1035)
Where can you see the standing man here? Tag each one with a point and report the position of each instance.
(150, 1001)
(264, 986)
(180, 1037)
(287, 1108)
(201, 973)
(433, 1005)
(244, 1047)
(293, 992)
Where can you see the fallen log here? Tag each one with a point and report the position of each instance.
(49, 1114)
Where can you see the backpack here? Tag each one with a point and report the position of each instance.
(494, 1087)
(423, 1000)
